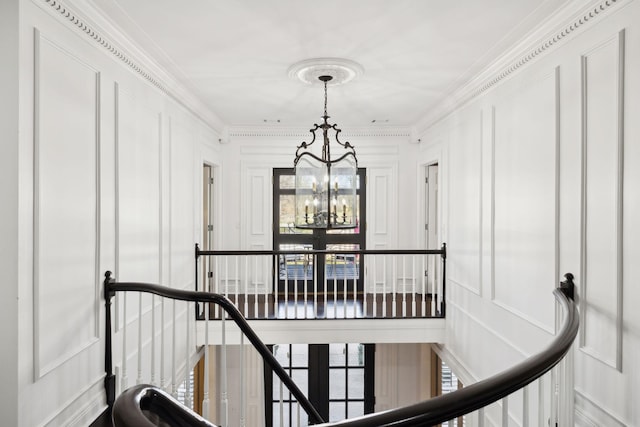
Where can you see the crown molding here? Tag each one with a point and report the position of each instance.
(88, 21)
(297, 132)
(565, 24)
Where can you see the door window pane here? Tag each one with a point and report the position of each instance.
(356, 409)
(337, 411)
(356, 354)
(337, 355)
(356, 383)
(337, 383)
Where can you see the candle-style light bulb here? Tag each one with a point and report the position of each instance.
(313, 184)
(344, 207)
(336, 185)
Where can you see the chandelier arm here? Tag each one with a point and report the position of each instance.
(345, 144)
(350, 153)
(307, 153)
(304, 144)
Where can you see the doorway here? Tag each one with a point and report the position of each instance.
(298, 271)
(431, 199)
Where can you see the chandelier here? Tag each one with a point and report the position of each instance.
(325, 185)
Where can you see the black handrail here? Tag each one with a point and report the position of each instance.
(426, 413)
(148, 406)
(111, 287)
(478, 395)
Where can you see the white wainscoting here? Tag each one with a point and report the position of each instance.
(66, 205)
(602, 183)
(465, 203)
(526, 199)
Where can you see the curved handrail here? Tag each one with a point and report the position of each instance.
(111, 287)
(133, 405)
(475, 396)
(430, 412)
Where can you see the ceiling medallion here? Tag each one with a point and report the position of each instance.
(341, 70)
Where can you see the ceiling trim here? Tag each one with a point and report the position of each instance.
(297, 132)
(139, 62)
(573, 17)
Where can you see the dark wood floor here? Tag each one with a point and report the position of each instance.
(383, 307)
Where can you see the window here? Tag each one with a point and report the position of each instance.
(337, 378)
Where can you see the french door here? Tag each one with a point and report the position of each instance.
(325, 274)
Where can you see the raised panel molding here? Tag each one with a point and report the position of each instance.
(525, 204)
(66, 205)
(465, 204)
(602, 202)
(589, 414)
(255, 204)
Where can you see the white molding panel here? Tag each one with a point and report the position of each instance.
(525, 232)
(465, 203)
(602, 183)
(588, 414)
(66, 205)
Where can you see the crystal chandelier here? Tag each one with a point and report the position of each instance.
(326, 186)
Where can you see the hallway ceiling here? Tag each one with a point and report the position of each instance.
(234, 55)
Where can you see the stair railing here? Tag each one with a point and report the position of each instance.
(430, 412)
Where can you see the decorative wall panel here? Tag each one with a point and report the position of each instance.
(66, 199)
(138, 147)
(525, 199)
(465, 204)
(183, 202)
(602, 150)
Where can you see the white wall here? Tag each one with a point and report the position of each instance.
(9, 243)
(540, 177)
(387, 155)
(109, 178)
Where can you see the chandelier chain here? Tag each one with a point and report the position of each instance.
(325, 98)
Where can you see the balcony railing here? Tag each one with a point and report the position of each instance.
(302, 283)
(144, 403)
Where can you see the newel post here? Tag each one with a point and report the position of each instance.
(110, 378)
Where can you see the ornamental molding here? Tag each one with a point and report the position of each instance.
(173, 90)
(523, 53)
(249, 132)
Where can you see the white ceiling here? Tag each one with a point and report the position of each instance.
(234, 54)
